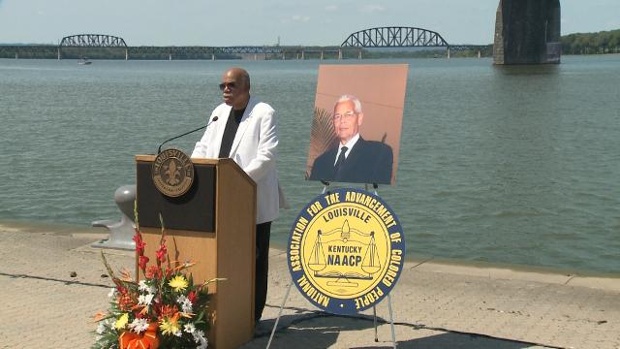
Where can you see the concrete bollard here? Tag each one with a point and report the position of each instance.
(121, 232)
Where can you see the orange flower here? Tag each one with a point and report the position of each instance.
(125, 301)
(152, 272)
(146, 340)
(100, 316)
(168, 311)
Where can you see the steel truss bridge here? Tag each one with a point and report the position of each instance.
(92, 40)
(395, 37)
(380, 37)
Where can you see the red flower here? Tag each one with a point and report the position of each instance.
(192, 296)
(161, 252)
(140, 244)
(142, 262)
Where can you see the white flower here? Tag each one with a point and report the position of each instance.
(101, 327)
(145, 299)
(104, 325)
(139, 325)
(112, 293)
(144, 287)
(189, 328)
(186, 304)
(199, 337)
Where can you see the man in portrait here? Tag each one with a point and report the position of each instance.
(354, 159)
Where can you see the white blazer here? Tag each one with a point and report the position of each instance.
(253, 149)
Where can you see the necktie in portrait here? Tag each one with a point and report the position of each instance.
(341, 159)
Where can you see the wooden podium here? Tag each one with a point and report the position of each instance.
(213, 224)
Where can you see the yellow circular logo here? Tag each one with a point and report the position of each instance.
(346, 250)
(173, 172)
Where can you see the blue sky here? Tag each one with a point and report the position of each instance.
(264, 22)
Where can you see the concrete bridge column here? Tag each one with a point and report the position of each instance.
(339, 54)
(527, 32)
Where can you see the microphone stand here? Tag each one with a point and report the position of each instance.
(179, 136)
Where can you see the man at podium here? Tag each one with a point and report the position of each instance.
(244, 129)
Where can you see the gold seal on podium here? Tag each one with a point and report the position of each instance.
(173, 172)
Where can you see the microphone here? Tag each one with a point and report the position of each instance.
(186, 133)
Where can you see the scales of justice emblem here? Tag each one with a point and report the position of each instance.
(342, 267)
(346, 251)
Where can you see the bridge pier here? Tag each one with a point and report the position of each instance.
(527, 32)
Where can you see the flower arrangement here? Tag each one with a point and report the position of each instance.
(165, 309)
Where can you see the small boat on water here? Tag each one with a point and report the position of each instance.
(84, 61)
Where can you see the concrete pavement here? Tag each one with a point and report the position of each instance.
(52, 282)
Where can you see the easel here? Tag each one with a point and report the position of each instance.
(374, 307)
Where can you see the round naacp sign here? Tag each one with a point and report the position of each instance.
(346, 250)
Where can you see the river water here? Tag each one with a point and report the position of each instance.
(508, 165)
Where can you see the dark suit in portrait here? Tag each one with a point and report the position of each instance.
(368, 162)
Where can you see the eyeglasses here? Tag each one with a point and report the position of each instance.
(348, 115)
(229, 85)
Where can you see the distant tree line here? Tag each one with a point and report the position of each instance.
(591, 43)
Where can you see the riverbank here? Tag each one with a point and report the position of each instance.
(53, 281)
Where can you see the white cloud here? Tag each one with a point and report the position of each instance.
(372, 8)
(300, 18)
(331, 8)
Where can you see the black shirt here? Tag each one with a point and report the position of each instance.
(229, 132)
